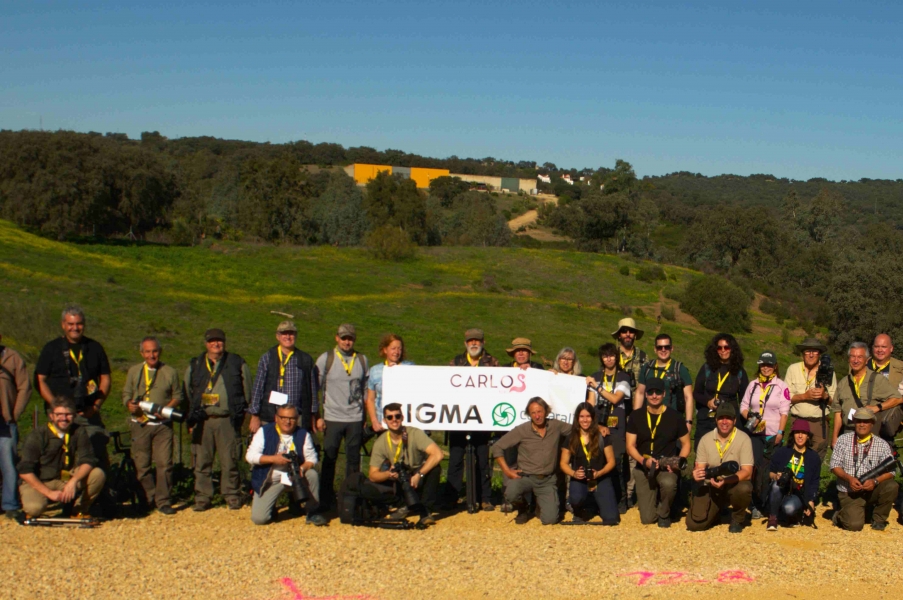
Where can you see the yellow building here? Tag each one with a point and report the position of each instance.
(362, 173)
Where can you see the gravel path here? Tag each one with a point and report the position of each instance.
(220, 554)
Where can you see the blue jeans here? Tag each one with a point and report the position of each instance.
(9, 439)
(787, 508)
(603, 497)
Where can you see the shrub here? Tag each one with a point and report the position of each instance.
(651, 273)
(639, 312)
(673, 292)
(389, 242)
(624, 270)
(785, 337)
(668, 312)
(717, 304)
(626, 310)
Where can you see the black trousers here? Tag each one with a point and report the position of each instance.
(428, 491)
(332, 440)
(457, 444)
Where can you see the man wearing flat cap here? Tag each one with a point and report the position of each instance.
(475, 355)
(217, 385)
(863, 388)
(726, 443)
(521, 351)
(631, 360)
(855, 454)
(285, 375)
(809, 399)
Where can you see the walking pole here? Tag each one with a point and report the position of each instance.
(470, 473)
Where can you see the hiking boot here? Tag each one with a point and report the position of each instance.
(772, 523)
(835, 518)
(234, 504)
(523, 515)
(318, 520)
(399, 515)
(488, 506)
(200, 507)
(15, 515)
(166, 510)
(879, 525)
(426, 520)
(735, 528)
(622, 506)
(507, 507)
(664, 523)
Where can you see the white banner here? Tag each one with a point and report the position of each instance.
(477, 399)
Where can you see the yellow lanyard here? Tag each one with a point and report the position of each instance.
(878, 369)
(148, 382)
(664, 369)
(762, 395)
(473, 363)
(608, 385)
(291, 447)
(397, 451)
(348, 366)
(65, 444)
(77, 361)
(210, 369)
(624, 360)
(652, 429)
(806, 375)
(798, 467)
(721, 381)
(721, 452)
(856, 384)
(283, 363)
(586, 451)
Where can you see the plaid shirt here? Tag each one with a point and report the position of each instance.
(291, 387)
(857, 465)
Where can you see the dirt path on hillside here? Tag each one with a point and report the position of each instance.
(525, 219)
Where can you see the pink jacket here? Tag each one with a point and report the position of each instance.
(778, 403)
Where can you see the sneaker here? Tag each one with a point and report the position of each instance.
(772, 523)
(664, 523)
(166, 510)
(235, 504)
(879, 525)
(15, 515)
(622, 507)
(735, 528)
(756, 514)
(523, 516)
(577, 519)
(507, 507)
(399, 514)
(835, 518)
(200, 507)
(318, 520)
(426, 520)
(488, 506)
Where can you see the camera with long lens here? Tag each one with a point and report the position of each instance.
(196, 417)
(676, 464)
(725, 469)
(825, 374)
(161, 412)
(301, 491)
(404, 480)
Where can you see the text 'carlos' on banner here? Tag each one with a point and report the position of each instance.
(478, 398)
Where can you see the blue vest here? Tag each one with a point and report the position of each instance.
(259, 473)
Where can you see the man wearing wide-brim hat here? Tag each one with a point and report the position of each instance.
(809, 399)
(855, 454)
(521, 351)
(631, 360)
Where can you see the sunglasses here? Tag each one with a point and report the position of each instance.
(665, 347)
(346, 338)
(393, 417)
(655, 393)
(720, 347)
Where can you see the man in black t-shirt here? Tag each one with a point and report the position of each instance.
(74, 366)
(652, 436)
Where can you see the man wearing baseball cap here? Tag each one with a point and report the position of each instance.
(856, 453)
(217, 385)
(475, 355)
(726, 443)
(810, 399)
(794, 473)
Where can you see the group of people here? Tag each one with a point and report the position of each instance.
(626, 446)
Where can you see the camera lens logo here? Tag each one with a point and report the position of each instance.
(503, 414)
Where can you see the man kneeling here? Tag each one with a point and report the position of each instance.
(58, 463)
(855, 454)
(271, 473)
(725, 444)
(404, 465)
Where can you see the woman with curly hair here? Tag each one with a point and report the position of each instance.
(589, 461)
(720, 379)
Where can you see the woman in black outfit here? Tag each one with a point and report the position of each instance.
(721, 379)
(589, 461)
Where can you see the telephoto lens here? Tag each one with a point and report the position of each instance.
(162, 412)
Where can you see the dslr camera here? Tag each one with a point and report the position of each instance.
(725, 469)
(676, 463)
(404, 480)
(161, 412)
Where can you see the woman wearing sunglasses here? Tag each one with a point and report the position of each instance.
(721, 379)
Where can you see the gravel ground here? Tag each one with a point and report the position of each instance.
(221, 554)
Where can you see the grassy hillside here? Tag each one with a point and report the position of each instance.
(556, 298)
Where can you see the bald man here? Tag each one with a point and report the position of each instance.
(882, 362)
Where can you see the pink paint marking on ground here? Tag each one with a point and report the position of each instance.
(296, 594)
(677, 577)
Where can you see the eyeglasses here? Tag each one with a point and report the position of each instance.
(286, 418)
(811, 351)
(565, 359)
(393, 417)
(665, 347)
(720, 347)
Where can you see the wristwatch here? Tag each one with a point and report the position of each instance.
(689, 421)
(876, 481)
(880, 407)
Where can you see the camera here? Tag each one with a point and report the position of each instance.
(825, 374)
(604, 407)
(161, 412)
(196, 417)
(367, 434)
(676, 387)
(784, 480)
(676, 463)
(404, 480)
(725, 469)
(301, 491)
(752, 421)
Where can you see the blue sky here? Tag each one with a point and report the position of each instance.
(796, 89)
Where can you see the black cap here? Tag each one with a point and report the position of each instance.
(726, 409)
(214, 334)
(655, 384)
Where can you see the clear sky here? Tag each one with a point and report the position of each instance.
(795, 89)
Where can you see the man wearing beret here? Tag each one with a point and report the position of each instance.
(217, 385)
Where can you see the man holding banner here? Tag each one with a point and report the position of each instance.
(475, 355)
(538, 442)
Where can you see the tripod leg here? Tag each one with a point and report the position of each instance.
(470, 474)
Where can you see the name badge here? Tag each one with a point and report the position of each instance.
(850, 415)
(612, 422)
(210, 399)
(278, 398)
(90, 387)
(284, 479)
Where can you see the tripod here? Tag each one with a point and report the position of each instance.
(123, 483)
(470, 475)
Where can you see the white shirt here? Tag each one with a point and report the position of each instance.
(255, 451)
